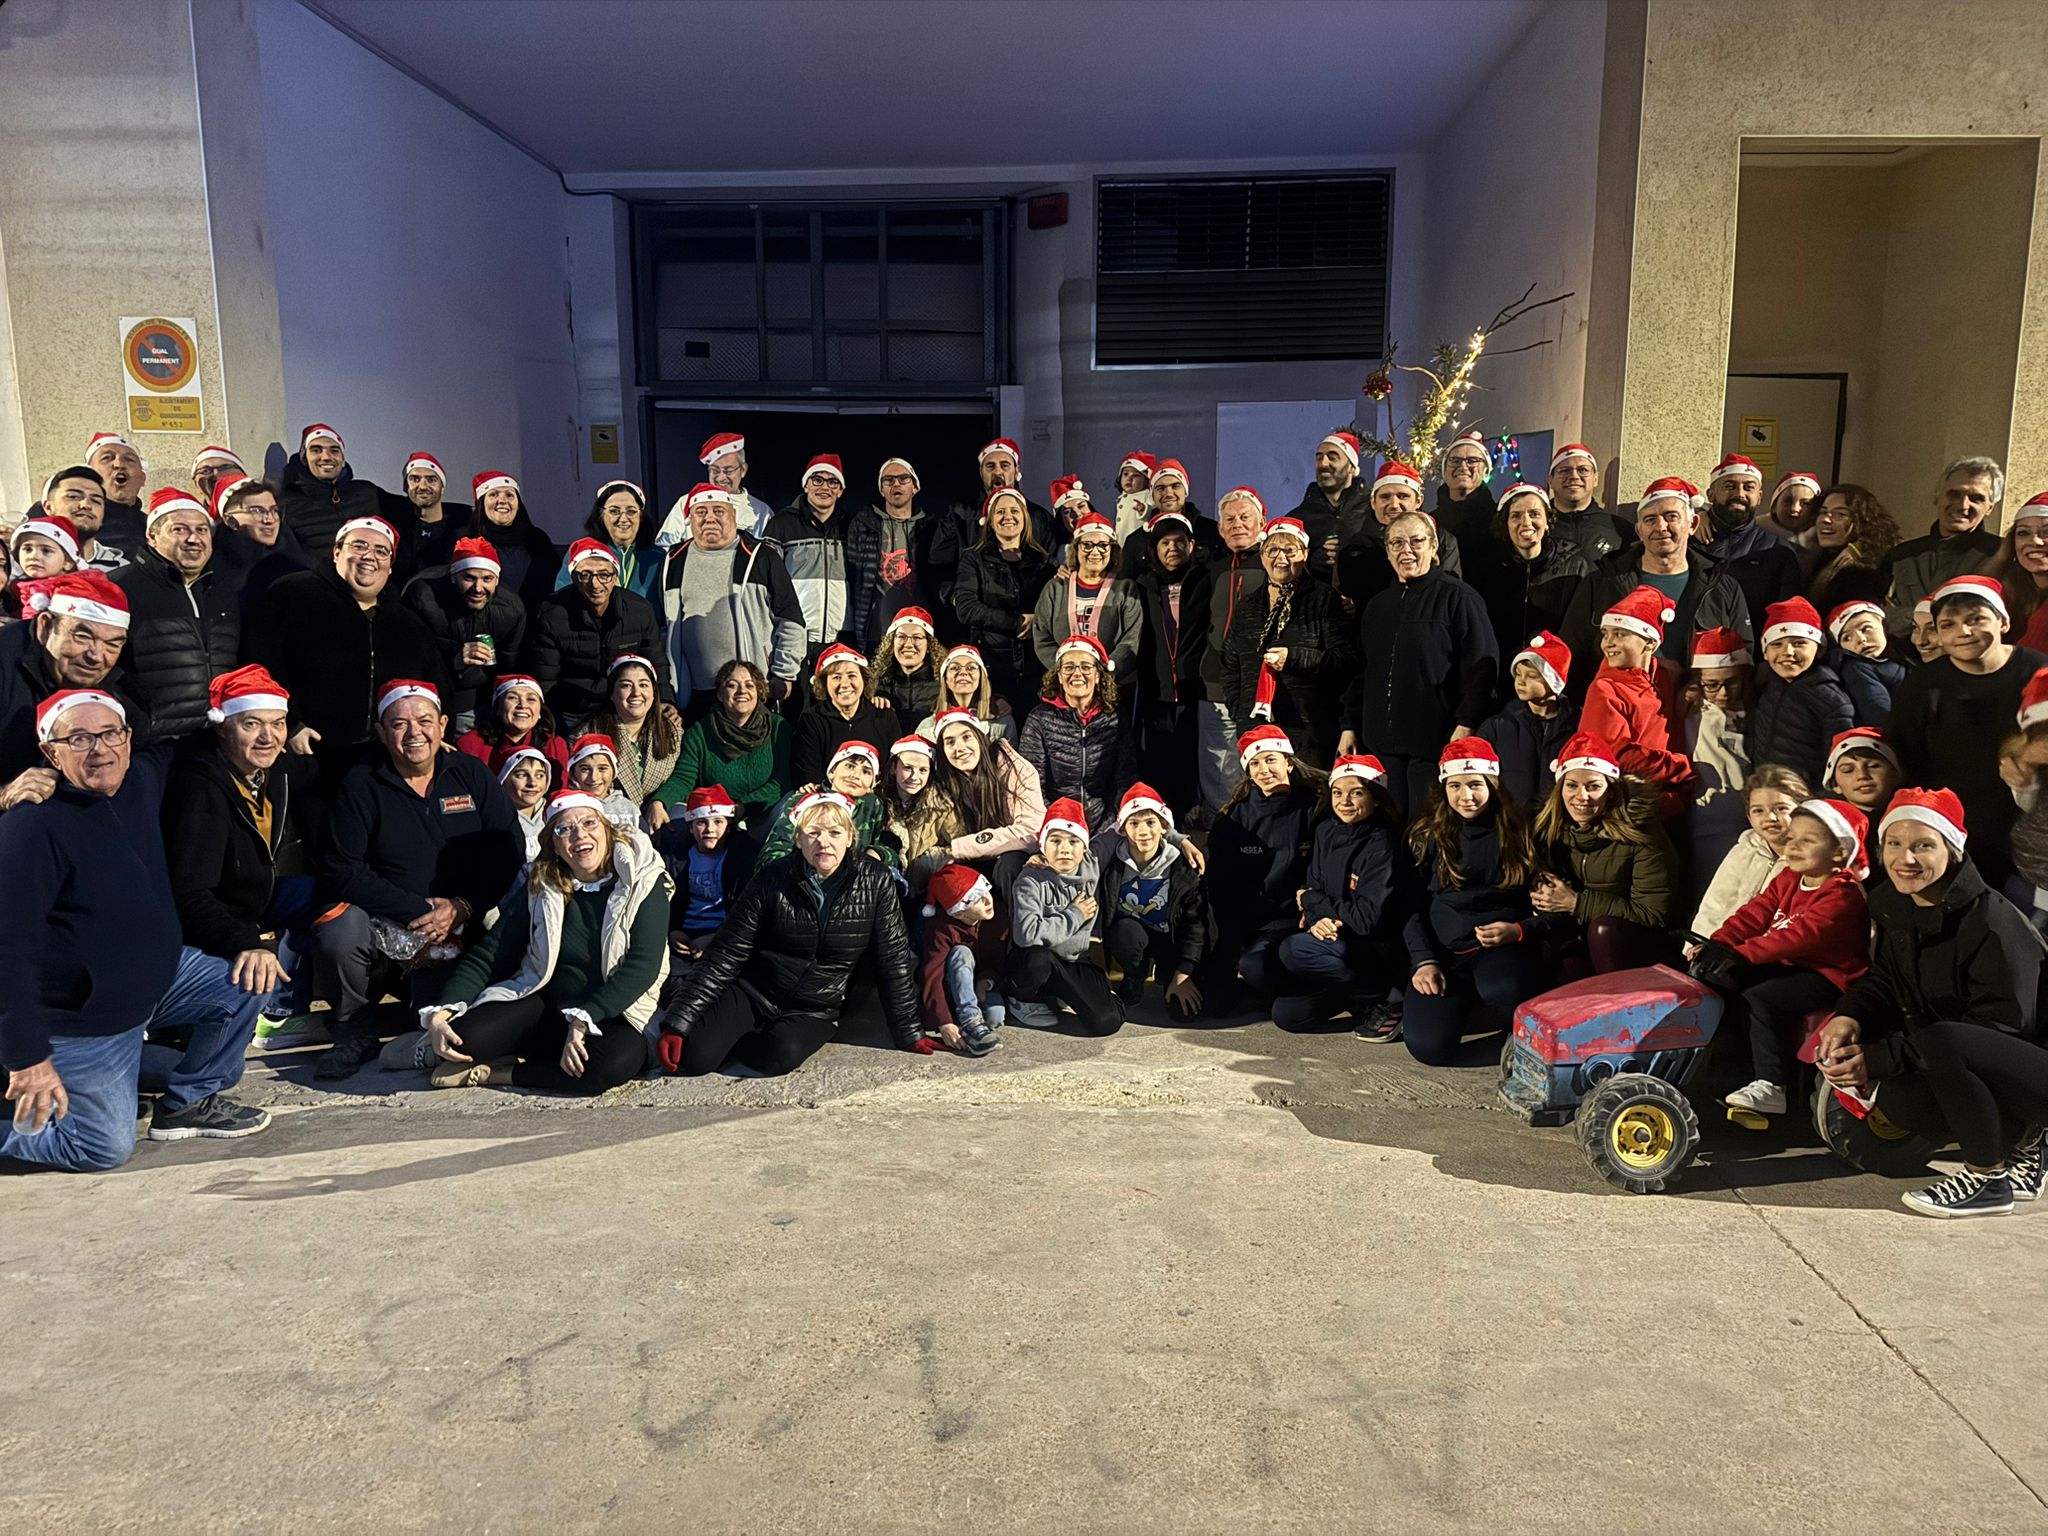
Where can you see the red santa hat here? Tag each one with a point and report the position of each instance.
(1643, 612)
(2036, 506)
(1397, 474)
(1142, 797)
(1983, 589)
(1793, 619)
(223, 488)
(905, 465)
(376, 527)
(957, 716)
(953, 889)
(572, 800)
(848, 750)
(320, 432)
(996, 495)
(1246, 493)
(964, 653)
(1092, 520)
(511, 680)
(631, 659)
(1170, 469)
(912, 618)
(1158, 522)
(86, 595)
(1571, 451)
(419, 458)
(1473, 440)
(1587, 752)
(58, 704)
(1736, 466)
(834, 654)
(1468, 754)
(1941, 809)
(1087, 645)
(912, 745)
(826, 464)
(2034, 700)
(593, 745)
(705, 493)
(101, 440)
(1262, 738)
(1286, 526)
(1842, 613)
(1069, 491)
(1860, 738)
(816, 798)
(632, 487)
(1346, 443)
(719, 444)
(524, 755)
(1524, 488)
(1670, 488)
(169, 501)
(402, 688)
(1793, 478)
(592, 549)
(1715, 649)
(1550, 656)
(1139, 459)
(1851, 829)
(1000, 445)
(475, 555)
(60, 531)
(707, 801)
(1064, 815)
(214, 453)
(1362, 766)
(491, 480)
(244, 689)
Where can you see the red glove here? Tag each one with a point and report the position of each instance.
(925, 1045)
(671, 1052)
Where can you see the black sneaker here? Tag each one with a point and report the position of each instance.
(345, 1057)
(1382, 1026)
(977, 1039)
(2027, 1168)
(213, 1117)
(1968, 1193)
(1130, 989)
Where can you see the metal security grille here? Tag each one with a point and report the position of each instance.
(1237, 269)
(894, 299)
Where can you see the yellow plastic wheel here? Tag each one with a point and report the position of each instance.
(1643, 1135)
(1638, 1131)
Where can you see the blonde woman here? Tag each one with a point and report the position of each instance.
(964, 684)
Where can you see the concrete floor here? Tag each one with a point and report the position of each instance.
(1180, 1279)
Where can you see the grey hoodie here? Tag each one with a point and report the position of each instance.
(1042, 910)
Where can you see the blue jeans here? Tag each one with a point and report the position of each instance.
(198, 1037)
(98, 1131)
(967, 1008)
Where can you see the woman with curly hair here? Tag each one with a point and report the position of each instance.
(2021, 566)
(905, 674)
(1853, 537)
(742, 746)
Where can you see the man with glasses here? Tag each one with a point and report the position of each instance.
(185, 624)
(100, 985)
(251, 545)
(1576, 518)
(727, 598)
(886, 549)
(333, 639)
(421, 844)
(1464, 501)
(586, 626)
(724, 457)
(75, 640)
(812, 538)
(211, 465)
(79, 494)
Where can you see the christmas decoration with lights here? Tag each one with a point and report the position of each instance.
(1441, 410)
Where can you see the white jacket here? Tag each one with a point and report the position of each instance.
(1743, 873)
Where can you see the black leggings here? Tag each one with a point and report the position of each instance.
(733, 1028)
(1481, 992)
(1037, 975)
(1980, 1085)
(533, 1031)
(1771, 1009)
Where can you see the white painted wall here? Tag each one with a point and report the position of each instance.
(423, 273)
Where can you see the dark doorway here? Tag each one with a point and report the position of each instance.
(939, 439)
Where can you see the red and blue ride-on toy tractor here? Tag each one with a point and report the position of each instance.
(1612, 1056)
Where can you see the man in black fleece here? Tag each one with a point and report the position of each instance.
(421, 842)
(321, 492)
(581, 630)
(479, 625)
(89, 942)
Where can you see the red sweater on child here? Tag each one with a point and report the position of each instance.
(1824, 929)
(990, 942)
(1624, 710)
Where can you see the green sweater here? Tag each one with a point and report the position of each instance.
(579, 980)
(755, 781)
(868, 812)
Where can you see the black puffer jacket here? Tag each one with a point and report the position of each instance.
(223, 872)
(1711, 600)
(314, 508)
(795, 958)
(179, 638)
(1972, 958)
(1258, 857)
(1794, 723)
(989, 594)
(332, 657)
(1596, 533)
(1093, 760)
(1322, 657)
(454, 624)
(1525, 597)
(1430, 666)
(1761, 562)
(574, 645)
(1344, 521)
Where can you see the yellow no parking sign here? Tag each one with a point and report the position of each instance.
(160, 373)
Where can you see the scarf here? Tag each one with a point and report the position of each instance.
(732, 739)
(1086, 621)
(1280, 611)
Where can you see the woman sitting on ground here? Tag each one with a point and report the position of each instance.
(1610, 869)
(774, 987)
(742, 746)
(1081, 746)
(842, 712)
(647, 734)
(557, 994)
(1470, 960)
(1769, 795)
(1260, 847)
(994, 793)
(917, 812)
(1942, 1030)
(904, 676)
(519, 717)
(964, 684)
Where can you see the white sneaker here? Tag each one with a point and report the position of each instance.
(1760, 1097)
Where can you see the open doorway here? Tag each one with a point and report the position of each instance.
(1891, 275)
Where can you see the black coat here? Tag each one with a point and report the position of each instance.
(821, 730)
(528, 560)
(1762, 564)
(795, 960)
(989, 594)
(26, 680)
(1322, 657)
(1190, 928)
(1596, 533)
(314, 509)
(574, 646)
(1525, 597)
(252, 568)
(1170, 656)
(1794, 723)
(954, 537)
(1359, 873)
(1093, 761)
(223, 872)
(179, 638)
(332, 657)
(1430, 666)
(1470, 521)
(1441, 922)
(389, 849)
(454, 624)
(1258, 855)
(1947, 725)
(1528, 744)
(1344, 521)
(1711, 600)
(1233, 578)
(1971, 958)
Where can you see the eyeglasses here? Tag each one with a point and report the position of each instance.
(1398, 546)
(601, 575)
(1077, 669)
(888, 480)
(86, 741)
(820, 480)
(356, 551)
(1464, 463)
(565, 829)
(1093, 546)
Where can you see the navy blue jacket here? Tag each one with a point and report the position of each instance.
(1440, 927)
(1794, 723)
(1352, 869)
(1258, 854)
(1528, 744)
(1870, 682)
(89, 934)
(389, 849)
(1762, 564)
